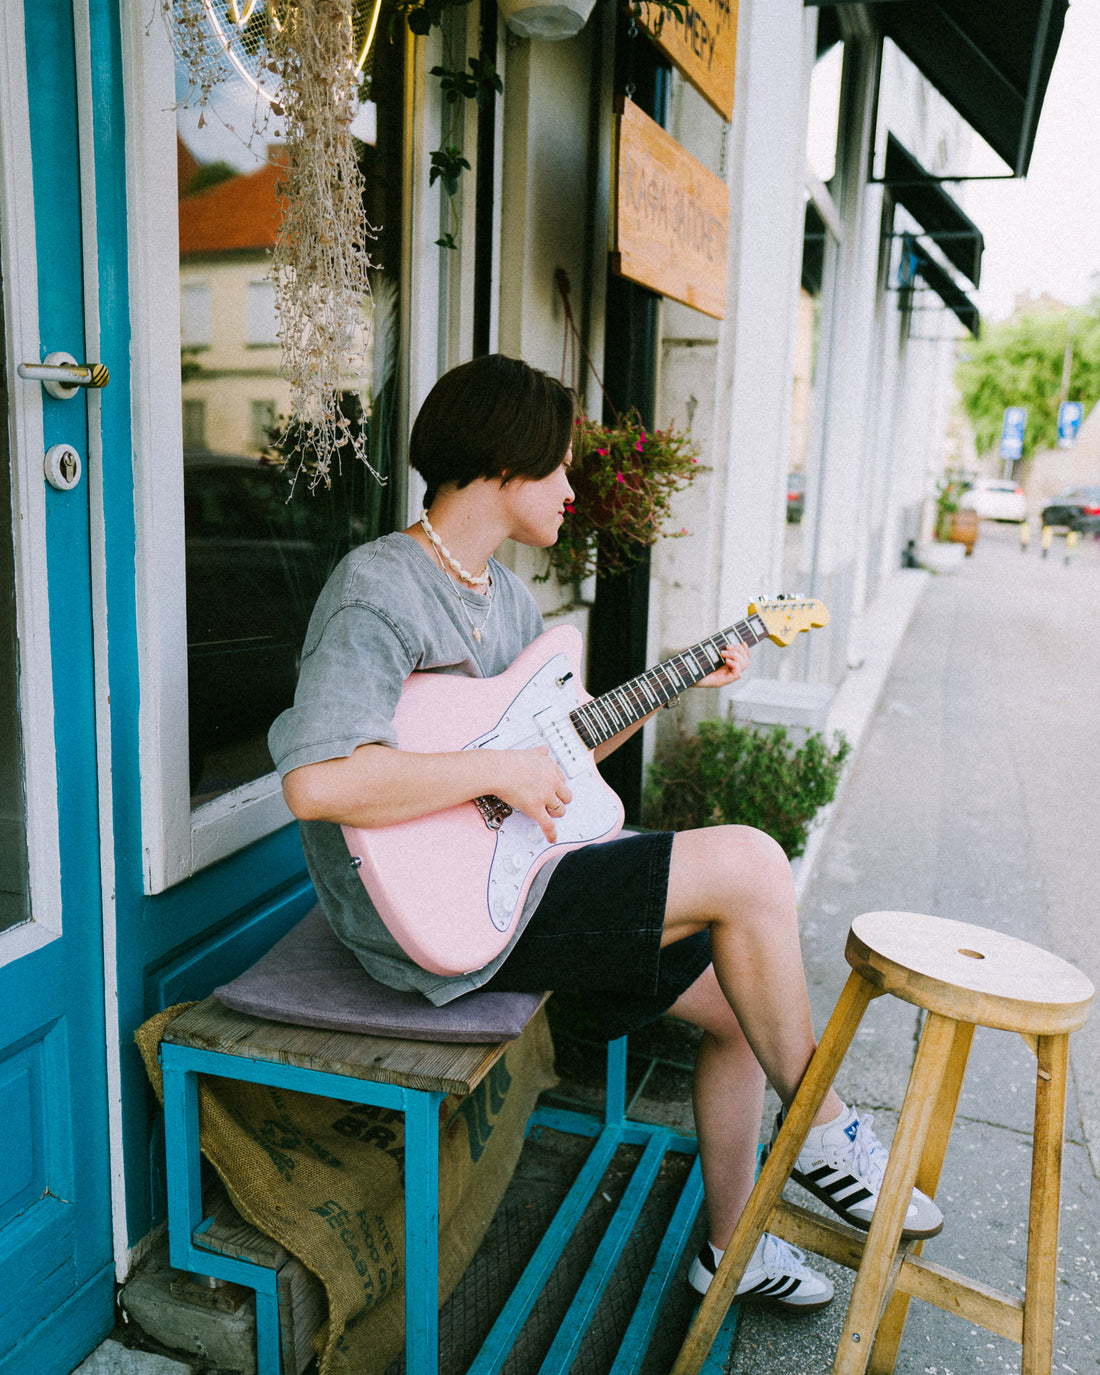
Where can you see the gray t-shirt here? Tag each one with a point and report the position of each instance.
(389, 610)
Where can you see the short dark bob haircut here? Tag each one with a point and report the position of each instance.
(494, 417)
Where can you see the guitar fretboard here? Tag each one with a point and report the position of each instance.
(612, 712)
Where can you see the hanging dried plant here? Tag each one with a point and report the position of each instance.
(300, 56)
(321, 258)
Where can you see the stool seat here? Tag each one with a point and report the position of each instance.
(969, 973)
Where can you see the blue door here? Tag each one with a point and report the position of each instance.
(56, 1267)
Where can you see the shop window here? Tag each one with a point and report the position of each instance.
(824, 123)
(256, 555)
(821, 227)
(220, 512)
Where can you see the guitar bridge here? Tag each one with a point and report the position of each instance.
(494, 812)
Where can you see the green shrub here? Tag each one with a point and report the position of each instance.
(732, 773)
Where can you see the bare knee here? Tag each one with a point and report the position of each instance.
(722, 870)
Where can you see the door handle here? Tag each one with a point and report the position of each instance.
(63, 376)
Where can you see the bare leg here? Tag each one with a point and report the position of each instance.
(737, 881)
(728, 1097)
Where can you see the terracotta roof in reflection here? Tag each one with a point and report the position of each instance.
(235, 215)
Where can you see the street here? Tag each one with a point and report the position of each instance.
(976, 796)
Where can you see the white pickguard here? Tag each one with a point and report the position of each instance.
(539, 715)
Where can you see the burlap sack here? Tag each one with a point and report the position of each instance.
(324, 1179)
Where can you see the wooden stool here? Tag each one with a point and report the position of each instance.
(308, 1018)
(963, 976)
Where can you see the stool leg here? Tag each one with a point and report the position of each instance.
(827, 1059)
(876, 1271)
(1046, 1187)
(890, 1329)
(422, 1231)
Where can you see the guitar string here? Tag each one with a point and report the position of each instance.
(605, 713)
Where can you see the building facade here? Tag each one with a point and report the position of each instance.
(157, 581)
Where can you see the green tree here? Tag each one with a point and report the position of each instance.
(1020, 362)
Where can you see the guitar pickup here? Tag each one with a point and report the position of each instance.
(570, 752)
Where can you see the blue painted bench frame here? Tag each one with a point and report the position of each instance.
(181, 1067)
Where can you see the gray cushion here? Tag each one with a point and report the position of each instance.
(310, 978)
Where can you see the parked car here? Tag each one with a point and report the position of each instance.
(995, 498)
(255, 564)
(1077, 508)
(796, 496)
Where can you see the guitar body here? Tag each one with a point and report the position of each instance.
(449, 886)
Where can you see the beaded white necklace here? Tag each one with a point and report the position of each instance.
(446, 557)
(441, 550)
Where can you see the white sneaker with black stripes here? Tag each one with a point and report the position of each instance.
(775, 1275)
(842, 1164)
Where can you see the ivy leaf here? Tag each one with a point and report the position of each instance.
(484, 80)
(446, 241)
(447, 165)
(455, 84)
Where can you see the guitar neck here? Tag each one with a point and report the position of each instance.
(614, 711)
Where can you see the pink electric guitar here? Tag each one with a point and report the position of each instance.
(450, 885)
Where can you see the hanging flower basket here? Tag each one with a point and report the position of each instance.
(546, 19)
(624, 477)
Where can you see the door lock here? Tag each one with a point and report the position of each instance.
(63, 376)
(62, 467)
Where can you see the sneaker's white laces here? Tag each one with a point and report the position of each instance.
(780, 1255)
(869, 1155)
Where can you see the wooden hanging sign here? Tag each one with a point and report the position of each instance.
(670, 217)
(702, 46)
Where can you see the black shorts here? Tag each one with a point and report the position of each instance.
(597, 933)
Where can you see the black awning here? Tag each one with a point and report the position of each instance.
(953, 297)
(990, 58)
(958, 237)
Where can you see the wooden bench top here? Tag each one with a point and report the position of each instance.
(439, 1066)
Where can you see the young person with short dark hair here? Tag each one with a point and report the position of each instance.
(701, 925)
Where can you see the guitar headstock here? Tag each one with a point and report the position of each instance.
(786, 617)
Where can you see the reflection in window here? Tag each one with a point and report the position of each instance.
(256, 559)
(824, 121)
(194, 424)
(262, 326)
(263, 423)
(14, 887)
(195, 315)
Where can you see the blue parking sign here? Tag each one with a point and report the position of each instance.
(1069, 420)
(1012, 433)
